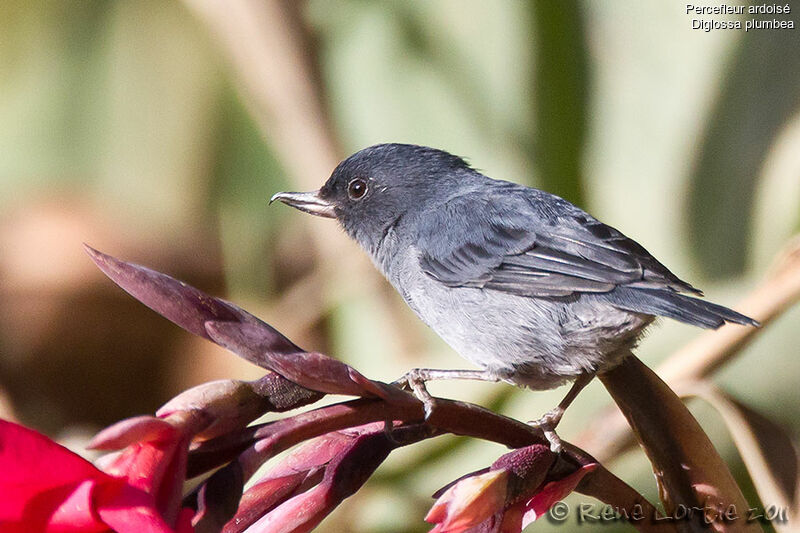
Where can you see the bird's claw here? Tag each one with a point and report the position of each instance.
(547, 423)
(415, 381)
(555, 441)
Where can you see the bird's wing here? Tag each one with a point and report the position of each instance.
(532, 244)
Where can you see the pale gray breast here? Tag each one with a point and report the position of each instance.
(529, 341)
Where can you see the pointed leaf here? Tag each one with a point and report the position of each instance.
(311, 370)
(688, 469)
(183, 304)
(191, 308)
(767, 451)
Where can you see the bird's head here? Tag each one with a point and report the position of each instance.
(372, 189)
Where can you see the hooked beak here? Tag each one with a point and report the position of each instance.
(310, 202)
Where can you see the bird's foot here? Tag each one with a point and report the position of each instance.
(547, 423)
(414, 380)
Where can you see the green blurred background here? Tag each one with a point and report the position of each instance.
(156, 131)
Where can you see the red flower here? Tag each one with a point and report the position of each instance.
(518, 488)
(46, 487)
(469, 502)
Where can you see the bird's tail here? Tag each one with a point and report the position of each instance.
(664, 302)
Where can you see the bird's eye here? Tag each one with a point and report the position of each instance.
(357, 188)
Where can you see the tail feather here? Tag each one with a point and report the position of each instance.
(664, 302)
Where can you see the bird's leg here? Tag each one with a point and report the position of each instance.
(548, 422)
(415, 380)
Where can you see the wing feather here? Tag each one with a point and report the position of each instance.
(533, 244)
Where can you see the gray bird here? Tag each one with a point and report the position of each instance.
(520, 282)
